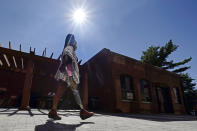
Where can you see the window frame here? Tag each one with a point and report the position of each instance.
(177, 96)
(149, 91)
(125, 90)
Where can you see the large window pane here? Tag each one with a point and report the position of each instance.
(145, 90)
(177, 95)
(127, 91)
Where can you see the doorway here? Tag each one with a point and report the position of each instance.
(164, 99)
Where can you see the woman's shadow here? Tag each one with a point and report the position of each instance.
(52, 126)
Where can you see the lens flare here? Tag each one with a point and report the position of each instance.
(79, 16)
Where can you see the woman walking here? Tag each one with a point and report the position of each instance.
(67, 76)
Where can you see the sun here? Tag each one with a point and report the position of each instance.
(79, 16)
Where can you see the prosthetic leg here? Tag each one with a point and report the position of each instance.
(84, 114)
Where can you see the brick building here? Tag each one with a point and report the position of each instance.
(118, 83)
(26, 79)
(109, 82)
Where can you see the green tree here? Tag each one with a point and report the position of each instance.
(189, 90)
(187, 83)
(158, 56)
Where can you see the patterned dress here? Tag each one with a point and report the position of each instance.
(64, 76)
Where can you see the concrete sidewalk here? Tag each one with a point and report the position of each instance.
(37, 120)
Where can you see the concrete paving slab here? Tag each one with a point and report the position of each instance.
(37, 120)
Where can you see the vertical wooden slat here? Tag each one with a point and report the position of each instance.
(1, 63)
(6, 59)
(59, 57)
(51, 55)
(20, 48)
(14, 61)
(22, 63)
(10, 45)
(44, 52)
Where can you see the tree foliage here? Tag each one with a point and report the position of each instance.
(157, 56)
(187, 83)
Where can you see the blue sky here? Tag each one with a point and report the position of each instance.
(127, 27)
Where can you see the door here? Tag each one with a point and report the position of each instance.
(164, 100)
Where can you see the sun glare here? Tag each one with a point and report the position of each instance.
(79, 16)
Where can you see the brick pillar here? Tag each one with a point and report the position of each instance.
(137, 94)
(154, 98)
(27, 86)
(85, 90)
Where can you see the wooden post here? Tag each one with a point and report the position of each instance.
(27, 86)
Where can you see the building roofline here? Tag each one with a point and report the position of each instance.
(152, 66)
(139, 62)
(25, 54)
(97, 54)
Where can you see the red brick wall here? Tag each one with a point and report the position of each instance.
(104, 72)
(99, 81)
(124, 65)
(13, 82)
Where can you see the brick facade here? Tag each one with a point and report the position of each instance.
(28, 78)
(104, 85)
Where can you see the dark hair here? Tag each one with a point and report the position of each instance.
(69, 38)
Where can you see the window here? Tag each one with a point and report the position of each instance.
(127, 90)
(145, 90)
(177, 96)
